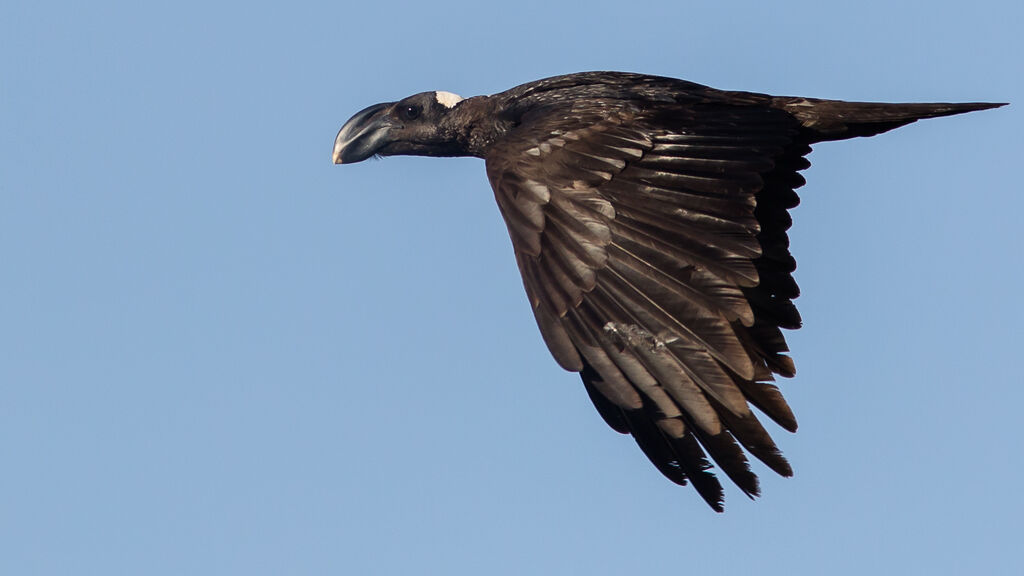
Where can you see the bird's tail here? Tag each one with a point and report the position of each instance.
(838, 120)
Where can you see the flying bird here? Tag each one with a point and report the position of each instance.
(648, 218)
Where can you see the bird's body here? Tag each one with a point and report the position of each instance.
(648, 217)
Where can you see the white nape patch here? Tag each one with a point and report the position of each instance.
(447, 99)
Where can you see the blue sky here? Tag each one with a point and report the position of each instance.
(221, 354)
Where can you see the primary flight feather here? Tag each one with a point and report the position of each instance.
(648, 218)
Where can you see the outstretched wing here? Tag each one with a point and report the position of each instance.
(652, 244)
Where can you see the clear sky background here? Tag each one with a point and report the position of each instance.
(221, 354)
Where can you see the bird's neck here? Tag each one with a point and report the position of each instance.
(475, 124)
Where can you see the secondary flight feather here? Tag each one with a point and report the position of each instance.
(648, 218)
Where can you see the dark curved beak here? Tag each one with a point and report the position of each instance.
(362, 135)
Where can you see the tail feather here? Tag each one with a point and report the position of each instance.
(838, 120)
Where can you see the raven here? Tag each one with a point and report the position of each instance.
(648, 217)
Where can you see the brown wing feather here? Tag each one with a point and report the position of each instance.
(652, 243)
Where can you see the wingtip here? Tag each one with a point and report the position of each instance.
(712, 493)
(716, 504)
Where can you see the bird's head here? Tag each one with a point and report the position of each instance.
(421, 125)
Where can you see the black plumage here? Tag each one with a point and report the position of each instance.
(648, 217)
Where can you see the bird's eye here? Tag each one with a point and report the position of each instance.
(411, 112)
